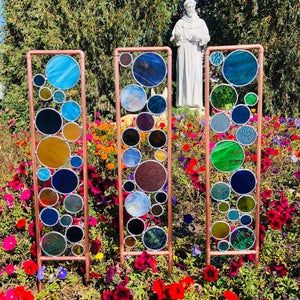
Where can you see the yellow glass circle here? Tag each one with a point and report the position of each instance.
(45, 93)
(220, 230)
(72, 131)
(53, 152)
(160, 155)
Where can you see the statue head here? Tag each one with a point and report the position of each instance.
(190, 7)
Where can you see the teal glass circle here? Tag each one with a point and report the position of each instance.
(71, 111)
(223, 245)
(53, 243)
(216, 58)
(155, 238)
(220, 191)
(242, 238)
(59, 96)
(43, 174)
(233, 215)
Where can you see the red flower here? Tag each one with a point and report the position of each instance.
(121, 293)
(276, 224)
(21, 223)
(33, 250)
(26, 295)
(234, 269)
(186, 147)
(210, 273)
(229, 295)
(144, 261)
(95, 246)
(19, 290)
(175, 291)
(107, 295)
(159, 288)
(281, 270)
(186, 282)
(139, 264)
(30, 267)
(272, 215)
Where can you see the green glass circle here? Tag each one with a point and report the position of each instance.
(251, 99)
(220, 230)
(223, 97)
(223, 207)
(227, 156)
(242, 238)
(246, 204)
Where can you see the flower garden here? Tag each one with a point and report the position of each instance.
(145, 277)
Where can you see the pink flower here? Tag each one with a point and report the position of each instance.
(10, 269)
(9, 200)
(10, 295)
(92, 221)
(25, 195)
(9, 243)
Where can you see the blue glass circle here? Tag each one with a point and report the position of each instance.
(240, 114)
(71, 110)
(49, 216)
(131, 157)
(59, 96)
(66, 220)
(157, 104)
(137, 204)
(243, 181)
(246, 220)
(149, 69)
(220, 122)
(216, 58)
(65, 181)
(39, 80)
(240, 68)
(223, 245)
(133, 97)
(233, 215)
(43, 174)
(76, 161)
(246, 135)
(63, 72)
(220, 191)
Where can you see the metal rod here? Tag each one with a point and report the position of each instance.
(221, 253)
(136, 253)
(64, 258)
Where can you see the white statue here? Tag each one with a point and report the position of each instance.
(190, 34)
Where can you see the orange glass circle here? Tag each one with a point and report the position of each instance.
(71, 131)
(53, 152)
(45, 93)
(48, 197)
(160, 155)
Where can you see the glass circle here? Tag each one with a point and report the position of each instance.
(223, 245)
(49, 216)
(74, 234)
(39, 80)
(53, 243)
(131, 157)
(220, 191)
(125, 59)
(48, 197)
(135, 226)
(251, 99)
(145, 121)
(157, 210)
(71, 111)
(63, 72)
(73, 203)
(242, 238)
(48, 121)
(130, 241)
(129, 186)
(246, 135)
(246, 204)
(71, 131)
(155, 238)
(65, 181)
(66, 220)
(220, 122)
(233, 215)
(160, 155)
(161, 197)
(246, 220)
(240, 68)
(227, 156)
(243, 181)
(77, 250)
(150, 176)
(220, 230)
(223, 97)
(53, 152)
(223, 207)
(45, 93)
(216, 58)
(137, 204)
(43, 174)
(59, 96)
(76, 161)
(157, 104)
(240, 114)
(133, 98)
(130, 137)
(149, 69)
(157, 138)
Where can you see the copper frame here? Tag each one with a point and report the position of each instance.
(255, 251)
(40, 257)
(168, 252)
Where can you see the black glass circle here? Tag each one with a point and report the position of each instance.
(243, 181)
(74, 234)
(157, 104)
(130, 137)
(39, 80)
(144, 121)
(157, 138)
(129, 186)
(65, 181)
(48, 121)
(135, 226)
(161, 197)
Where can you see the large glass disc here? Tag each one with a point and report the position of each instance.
(53, 243)
(242, 238)
(223, 97)
(155, 238)
(133, 98)
(65, 181)
(48, 121)
(137, 204)
(243, 181)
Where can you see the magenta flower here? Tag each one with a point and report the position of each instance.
(10, 295)
(9, 243)
(25, 195)
(92, 221)
(10, 269)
